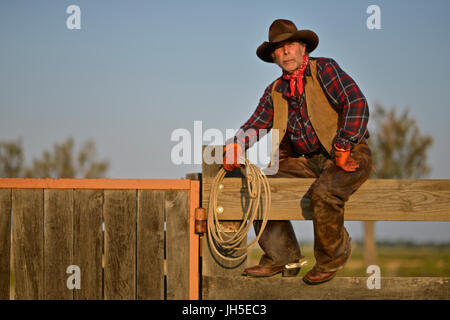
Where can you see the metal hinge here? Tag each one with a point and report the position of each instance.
(200, 220)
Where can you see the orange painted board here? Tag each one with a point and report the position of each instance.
(48, 183)
(194, 281)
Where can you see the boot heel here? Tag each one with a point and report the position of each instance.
(290, 272)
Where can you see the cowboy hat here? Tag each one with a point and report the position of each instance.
(282, 30)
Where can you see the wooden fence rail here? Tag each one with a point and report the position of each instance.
(131, 239)
(377, 199)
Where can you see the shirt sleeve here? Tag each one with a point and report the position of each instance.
(259, 123)
(348, 100)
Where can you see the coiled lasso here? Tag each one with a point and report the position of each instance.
(227, 245)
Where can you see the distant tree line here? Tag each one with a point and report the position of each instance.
(399, 151)
(60, 162)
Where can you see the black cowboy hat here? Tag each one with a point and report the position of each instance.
(282, 30)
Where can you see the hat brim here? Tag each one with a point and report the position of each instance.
(309, 37)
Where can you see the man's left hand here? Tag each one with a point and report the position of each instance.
(344, 160)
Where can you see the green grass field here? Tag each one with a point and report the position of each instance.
(394, 260)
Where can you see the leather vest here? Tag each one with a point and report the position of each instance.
(322, 115)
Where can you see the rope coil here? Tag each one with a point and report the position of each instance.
(222, 243)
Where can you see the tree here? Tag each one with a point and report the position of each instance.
(11, 159)
(61, 162)
(399, 151)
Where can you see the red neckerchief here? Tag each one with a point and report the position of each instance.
(297, 77)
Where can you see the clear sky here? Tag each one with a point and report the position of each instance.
(138, 70)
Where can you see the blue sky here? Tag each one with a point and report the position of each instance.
(137, 70)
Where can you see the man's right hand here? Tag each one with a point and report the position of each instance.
(233, 152)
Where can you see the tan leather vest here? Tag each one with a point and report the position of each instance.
(323, 117)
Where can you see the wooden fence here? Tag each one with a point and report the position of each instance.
(383, 199)
(131, 239)
(135, 239)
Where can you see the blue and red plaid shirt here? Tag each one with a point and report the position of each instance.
(342, 92)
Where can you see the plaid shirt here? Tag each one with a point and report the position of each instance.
(343, 94)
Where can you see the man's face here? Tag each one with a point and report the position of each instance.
(289, 55)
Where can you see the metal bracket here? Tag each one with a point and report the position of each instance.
(200, 220)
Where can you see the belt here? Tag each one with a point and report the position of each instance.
(320, 151)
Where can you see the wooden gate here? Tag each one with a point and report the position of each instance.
(130, 239)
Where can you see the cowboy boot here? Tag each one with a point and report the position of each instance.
(281, 250)
(315, 276)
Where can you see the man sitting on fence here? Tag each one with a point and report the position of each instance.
(323, 135)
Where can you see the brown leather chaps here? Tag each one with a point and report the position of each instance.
(328, 194)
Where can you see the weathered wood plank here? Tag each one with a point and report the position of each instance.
(177, 244)
(5, 242)
(370, 245)
(120, 244)
(194, 176)
(88, 243)
(340, 288)
(381, 199)
(58, 243)
(28, 243)
(150, 245)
